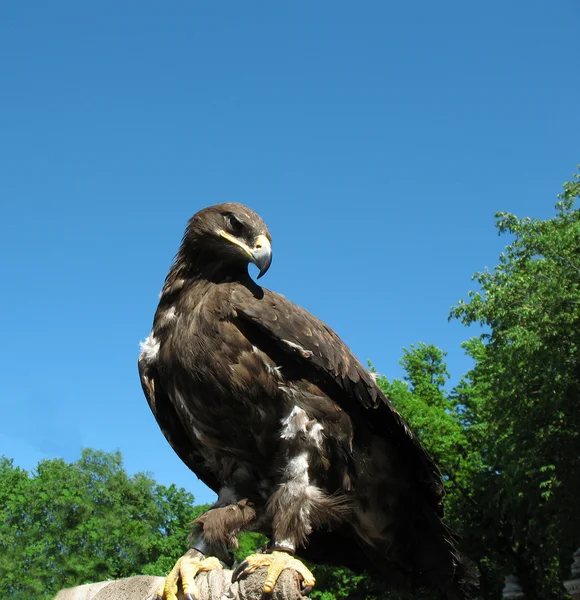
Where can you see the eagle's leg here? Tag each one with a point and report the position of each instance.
(214, 533)
(297, 503)
(291, 508)
(185, 571)
(276, 561)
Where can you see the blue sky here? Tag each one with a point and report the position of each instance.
(376, 139)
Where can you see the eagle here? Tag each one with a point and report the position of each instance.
(272, 411)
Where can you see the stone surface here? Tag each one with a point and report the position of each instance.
(573, 585)
(575, 568)
(212, 586)
(573, 588)
(512, 588)
(132, 588)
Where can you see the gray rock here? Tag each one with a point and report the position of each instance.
(212, 586)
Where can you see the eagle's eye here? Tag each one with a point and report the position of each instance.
(234, 224)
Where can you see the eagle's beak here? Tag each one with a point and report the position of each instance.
(262, 254)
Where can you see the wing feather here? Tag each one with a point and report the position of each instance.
(307, 340)
(170, 424)
(300, 333)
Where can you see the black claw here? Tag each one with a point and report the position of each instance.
(306, 590)
(239, 570)
(190, 597)
(277, 548)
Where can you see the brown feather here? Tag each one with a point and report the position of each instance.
(265, 402)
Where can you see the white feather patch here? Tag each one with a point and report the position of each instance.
(294, 423)
(298, 422)
(315, 432)
(302, 351)
(273, 370)
(149, 348)
(169, 314)
(296, 473)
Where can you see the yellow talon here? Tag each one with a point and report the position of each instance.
(186, 570)
(276, 563)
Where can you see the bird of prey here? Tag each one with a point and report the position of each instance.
(270, 409)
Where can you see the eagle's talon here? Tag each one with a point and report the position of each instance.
(276, 563)
(185, 571)
(239, 570)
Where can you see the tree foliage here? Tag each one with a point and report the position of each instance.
(437, 417)
(453, 428)
(506, 438)
(69, 524)
(528, 378)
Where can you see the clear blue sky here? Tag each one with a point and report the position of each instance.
(377, 140)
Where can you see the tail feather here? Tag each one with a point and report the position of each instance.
(439, 571)
(430, 567)
(439, 567)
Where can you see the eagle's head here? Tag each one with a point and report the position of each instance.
(227, 237)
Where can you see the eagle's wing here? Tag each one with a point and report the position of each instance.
(170, 423)
(274, 321)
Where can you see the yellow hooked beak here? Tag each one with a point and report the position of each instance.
(260, 254)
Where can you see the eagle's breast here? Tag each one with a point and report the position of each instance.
(227, 393)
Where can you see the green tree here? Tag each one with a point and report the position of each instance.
(528, 373)
(507, 439)
(452, 427)
(435, 416)
(72, 523)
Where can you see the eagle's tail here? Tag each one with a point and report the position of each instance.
(461, 585)
(440, 570)
(431, 567)
(464, 584)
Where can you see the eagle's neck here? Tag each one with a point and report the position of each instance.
(196, 265)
